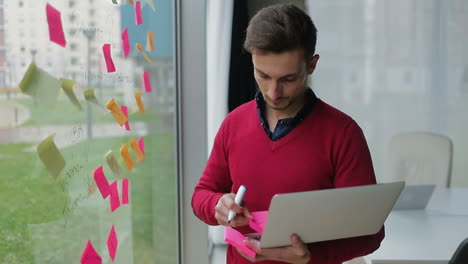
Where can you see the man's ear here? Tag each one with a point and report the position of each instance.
(312, 64)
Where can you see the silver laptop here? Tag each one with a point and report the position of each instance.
(329, 214)
(414, 197)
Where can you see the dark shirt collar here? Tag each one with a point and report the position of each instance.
(286, 125)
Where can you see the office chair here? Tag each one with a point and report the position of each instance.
(419, 158)
(461, 254)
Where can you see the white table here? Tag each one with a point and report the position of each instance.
(428, 236)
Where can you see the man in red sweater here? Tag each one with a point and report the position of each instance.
(286, 140)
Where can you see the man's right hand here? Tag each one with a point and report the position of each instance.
(226, 203)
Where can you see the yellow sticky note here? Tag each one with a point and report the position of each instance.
(90, 97)
(140, 103)
(150, 42)
(140, 49)
(51, 156)
(41, 86)
(140, 156)
(116, 112)
(67, 86)
(114, 164)
(126, 157)
(151, 3)
(92, 187)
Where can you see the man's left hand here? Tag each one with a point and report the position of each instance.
(297, 253)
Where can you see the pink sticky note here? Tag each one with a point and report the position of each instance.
(141, 145)
(90, 256)
(147, 82)
(101, 182)
(125, 183)
(112, 243)
(106, 49)
(114, 197)
(259, 220)
(125, 112)
(236, 238)
(55, 26)
(138, 17)
(125, 42)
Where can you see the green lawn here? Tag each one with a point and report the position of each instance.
(43, 220)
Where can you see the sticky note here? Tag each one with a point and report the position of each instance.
(150, 42)
(67, 86)
(55, 26)
(236, 238)
(41, 86)
(50, 155)
(90, 256)
(125, 112)
(141, 145)
(114, 197)
(126, 157)
(90, 96)
(138, 17)
(140, 156)
(125, 188)
(112, 243)
(147, 82)
(116, 112)
(125, 42)
(130, 2)
(106, 49)
(101, 182)
(139, 102)
(92, 188)
(151, 3)
(140, 49)
(113, 164)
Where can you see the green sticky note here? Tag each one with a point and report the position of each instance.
(90, 96)
(40, 85)
(67, 86)
(51, 157)
(114, 165)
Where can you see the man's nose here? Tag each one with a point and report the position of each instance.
(274, 91)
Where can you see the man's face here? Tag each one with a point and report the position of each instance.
(282, 78)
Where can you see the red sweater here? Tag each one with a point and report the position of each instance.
(326, 150)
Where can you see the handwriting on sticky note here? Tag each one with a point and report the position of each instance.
(125, 42)
(138, 16)
(125, 191)
(112, 243)
(101, 182)
(90, 96)
(89, 255)
(106, 49)
(41, 86)
(55, 26)
(126, 157)
(140, 156)
(150, 41)
(147, 82)
(50, 155)
(140, 49)
(141, 145)
(125, 112)
(139, 102)
(113, 164)
(116, 112)
(114, 197)
(67, 86)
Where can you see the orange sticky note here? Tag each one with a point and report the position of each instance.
(140, 49)
(55, 26)
(139, 102)
(150, 42)
(116, 112)
(140, 156)
(126, 157)
(130, 2)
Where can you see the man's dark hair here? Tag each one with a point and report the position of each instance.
(281, 28)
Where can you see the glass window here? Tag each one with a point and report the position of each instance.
(48, 215)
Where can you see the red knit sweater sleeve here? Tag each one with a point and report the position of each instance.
(215, 180)
(353, 167)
